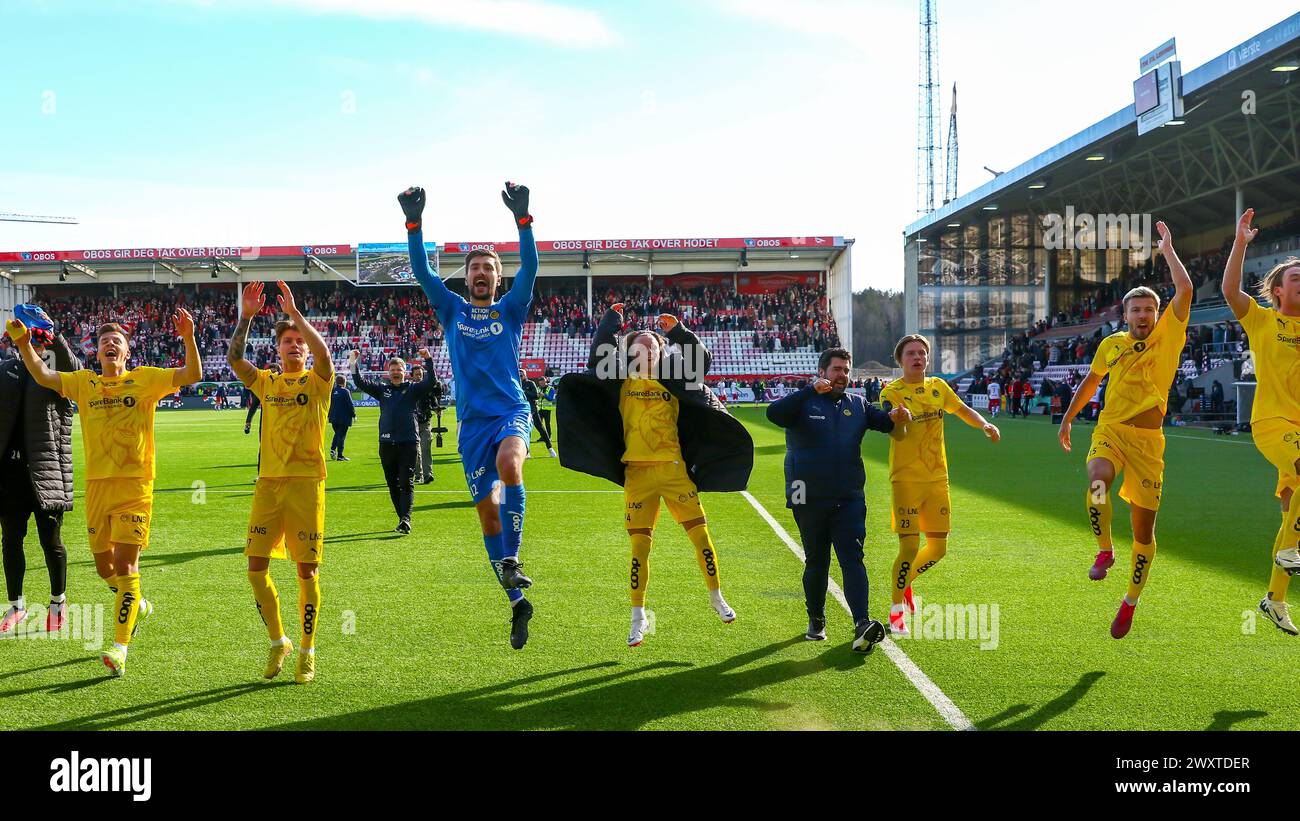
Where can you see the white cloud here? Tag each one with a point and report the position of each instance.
(549, 22)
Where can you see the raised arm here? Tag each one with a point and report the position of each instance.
(1082, 395)
(23, 340)
(1238, 299)
(604, 341)
(192, 370)
(694, 352)
(364, 385)
(521, 291)
(320, 352)
(250, 303)
(1181, 304)
(440, 297)
(64, 359)
(425, 386)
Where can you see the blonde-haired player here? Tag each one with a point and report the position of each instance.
(289, 502)
(117, 409)
(918, 469)
(1141, 363)
(1274, 335)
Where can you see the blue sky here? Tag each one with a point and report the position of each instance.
(179, 122)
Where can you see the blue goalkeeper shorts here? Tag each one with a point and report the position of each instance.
(478, 442)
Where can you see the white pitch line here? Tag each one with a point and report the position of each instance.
(949, 711)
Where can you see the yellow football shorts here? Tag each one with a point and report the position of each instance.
(1137, 452)
(646, 483)
(1279, 440)
(118, 511)
(288, 511)
(921, 507)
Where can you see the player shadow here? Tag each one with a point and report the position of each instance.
(55, 665)
(157, 559)
(1224, 719)
(376, 536)
(620, 696)
(445, 505)
(124, 716)
(1045, 712)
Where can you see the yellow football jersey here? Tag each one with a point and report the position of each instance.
(649, 421)
(117, 419)
(921, 455)
(1275, 347)
(1141, 371)
(294, 409)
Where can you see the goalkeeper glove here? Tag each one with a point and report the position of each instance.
(412, 202)
(516, 199)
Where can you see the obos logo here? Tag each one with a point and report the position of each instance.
(496, 328)
(128, 401)
(301, 399)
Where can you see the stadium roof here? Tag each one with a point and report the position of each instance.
(1188, 173)
(598, 257)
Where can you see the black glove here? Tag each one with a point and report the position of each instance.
(412, 202)
(516, 199)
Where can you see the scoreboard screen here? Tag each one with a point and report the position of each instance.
(1146, 94)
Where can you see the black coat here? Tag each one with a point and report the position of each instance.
(47, 423)
(717, 449)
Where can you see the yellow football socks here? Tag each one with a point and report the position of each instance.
(127, 607)
(706, 555)
(1099, 513)
(268, 602)
(309, 609)
(1143, 555)
(908, 545)
(639, 572)
(935, 549)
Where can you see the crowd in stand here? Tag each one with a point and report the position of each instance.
(383, 322)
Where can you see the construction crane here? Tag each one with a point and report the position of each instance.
(4, 217)
(927, 108)
(950, 179)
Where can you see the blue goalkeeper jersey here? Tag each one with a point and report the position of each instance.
(483, 343)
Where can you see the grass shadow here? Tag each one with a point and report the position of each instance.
(614, 696)
(1045, 712)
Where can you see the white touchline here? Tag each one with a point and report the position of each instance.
(948, 711)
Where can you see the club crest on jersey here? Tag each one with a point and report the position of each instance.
(848, 412)
(301, 399)
(935, 393)
(494, 315)
(1139, 346)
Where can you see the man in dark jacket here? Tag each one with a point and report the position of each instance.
(341, 415)
(643, 418)
(824, 481)
(399, 442)
(35, 469)
(426, 408)
(533, 396)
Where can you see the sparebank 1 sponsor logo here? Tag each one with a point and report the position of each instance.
(1097, 232)
(133, 776)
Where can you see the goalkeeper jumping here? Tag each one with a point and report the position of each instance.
(483, 339)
